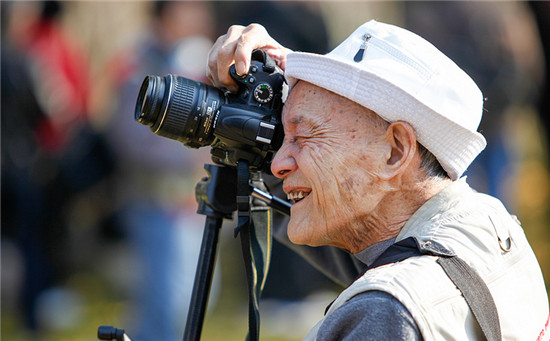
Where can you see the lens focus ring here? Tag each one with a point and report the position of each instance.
(182, 93)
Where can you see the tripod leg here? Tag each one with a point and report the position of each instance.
(203, 279)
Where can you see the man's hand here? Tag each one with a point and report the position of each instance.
(235, 47)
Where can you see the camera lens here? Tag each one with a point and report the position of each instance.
(179, 108)
(148, 103)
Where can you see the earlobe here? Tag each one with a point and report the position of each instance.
(402, 140)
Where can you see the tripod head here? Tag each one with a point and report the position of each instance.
(216, 192)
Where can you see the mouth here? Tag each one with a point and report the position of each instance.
(297, 196)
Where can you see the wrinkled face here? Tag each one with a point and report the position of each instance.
(330, 158)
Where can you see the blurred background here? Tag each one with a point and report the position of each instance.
(98, 214)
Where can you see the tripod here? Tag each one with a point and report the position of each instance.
(217, 195)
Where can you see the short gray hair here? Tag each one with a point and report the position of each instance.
(430, 163)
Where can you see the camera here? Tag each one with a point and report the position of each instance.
(245, 125)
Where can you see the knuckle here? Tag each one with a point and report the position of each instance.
(234, 29)
(255, 27)
(220, 40)
(226, 48)
(253, 33)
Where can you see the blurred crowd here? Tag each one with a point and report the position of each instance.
(90, 196)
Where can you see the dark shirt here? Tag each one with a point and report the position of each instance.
(372, 315)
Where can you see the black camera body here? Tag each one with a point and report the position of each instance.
(241, 126)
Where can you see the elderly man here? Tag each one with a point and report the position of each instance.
(377, 135)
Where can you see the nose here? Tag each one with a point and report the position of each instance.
(283, 163)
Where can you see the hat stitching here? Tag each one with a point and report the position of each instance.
(398, 54)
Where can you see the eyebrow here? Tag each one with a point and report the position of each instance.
(302, 120)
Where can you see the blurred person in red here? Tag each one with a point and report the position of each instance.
(49, 152)
(58, 67)
(155, 193)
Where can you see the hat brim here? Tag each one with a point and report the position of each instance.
(392, 103)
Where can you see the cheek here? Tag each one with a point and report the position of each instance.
(344, 172)
(332, 174)
(322, 162)
(343, 181)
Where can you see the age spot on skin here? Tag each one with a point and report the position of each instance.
(296, 120)
(349, 183)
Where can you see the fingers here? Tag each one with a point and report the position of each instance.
(235, 47)
(221, 57)
(252, 37)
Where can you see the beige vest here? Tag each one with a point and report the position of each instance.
(470, 225)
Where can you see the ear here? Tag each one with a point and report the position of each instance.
(402, 140)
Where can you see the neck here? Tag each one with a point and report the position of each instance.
(393, 211)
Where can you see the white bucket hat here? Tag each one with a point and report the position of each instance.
(402, 77)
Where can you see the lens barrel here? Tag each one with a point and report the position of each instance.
(179, 108)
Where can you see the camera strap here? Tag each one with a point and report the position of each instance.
(269, 63)
(255, 222)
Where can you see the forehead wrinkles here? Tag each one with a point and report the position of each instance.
(304, 103)
(307, 103)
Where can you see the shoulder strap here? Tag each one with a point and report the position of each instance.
(469, 283)
(476, 294)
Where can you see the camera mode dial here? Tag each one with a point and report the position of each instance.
(263, 93)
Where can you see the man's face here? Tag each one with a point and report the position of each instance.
(330, 159)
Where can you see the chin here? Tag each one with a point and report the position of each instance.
(304, 234)
(294, 236)
(296, 233)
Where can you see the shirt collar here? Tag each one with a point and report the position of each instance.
(371, 253)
